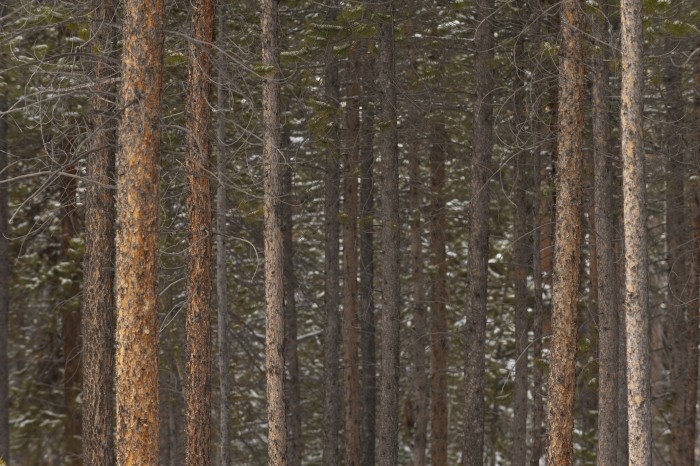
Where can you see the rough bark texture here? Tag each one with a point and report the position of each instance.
(622, 427)
(199, 227)
(138, 171)
(274, 253)
(292, 388)
(366, 289)
(475, 328)
(605, 255)
(331, 338)
(221, 288)
(677, 239)
(98, 320)
(520, 267)
(636, 270)
(351, 324)
(438, 299)
(4, 278)
(567, 242)
(388, 447)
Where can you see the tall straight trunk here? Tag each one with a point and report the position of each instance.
(4, 277)
(567, 241)
(388, 447)
(221, 285)
(199, 227)
(605, 255)
(438, 299)
(478, 241)
(138, 175)
(636, 270)
(351, 334)
(274, 252)
(694, 298)
(520, 268)
(70, 310)
(622, 427)
(366, 287)
(677, 239)
(419, 389)
(331, 337)
(292, 388)
(98, 277)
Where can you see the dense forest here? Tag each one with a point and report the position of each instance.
(333, 232)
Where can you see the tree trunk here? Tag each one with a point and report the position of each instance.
(520, 267)
(567, 242)
(221, 276)
(137, 234)
(622, 427)
(636, 270)
(677, 239)
(98, 287)
(608, 334)
(4, 276)
(199, 227)
(438, 299)
(331, 338)
(388, 447)
(366, 289)
(351, 327)
(274, 251)
(478, 241)
(292, 389)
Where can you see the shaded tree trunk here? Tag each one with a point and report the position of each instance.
(98, 319)
(221, 256)
(274, 251)
(351, 327)
(520, 267)
(622, 428)
(292, 389)
(4, 277)
(199, 227)
(137, 234)
(677, 239)
(567, 242)
(366, 288)
(438, 299)
(608, 334)
(331, 338)
(636, 262)
(478, 241)
(388, 446)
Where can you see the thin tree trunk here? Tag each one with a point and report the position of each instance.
(388, 447)
(622, 428)
(351, 327)
(605, 255)
(366, 288)
(137, 234)
(331, 339)
(292, 389)
(438, 298)
(478, 241)
(4, 275)
(677, 261)
(274, 252)
(221, 282)
(636, 270)
(567, 242)
(98, 319)
(520, 257)
(199, 227)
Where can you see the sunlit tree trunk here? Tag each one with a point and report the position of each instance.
(636, 262)
(567, 242)
(138, 171)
